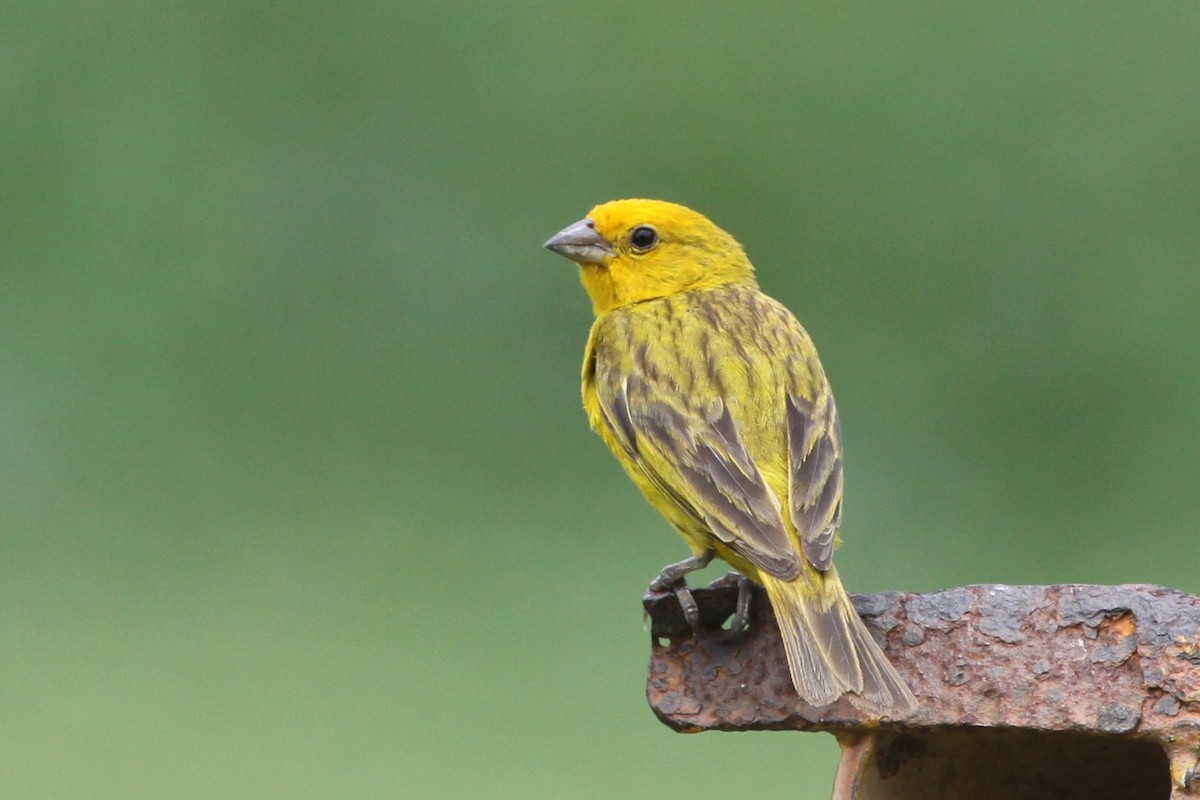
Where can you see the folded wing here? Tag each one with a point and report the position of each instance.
(697, 459)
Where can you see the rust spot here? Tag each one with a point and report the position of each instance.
(1120, 627)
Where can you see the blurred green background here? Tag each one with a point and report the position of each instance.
(299, 501)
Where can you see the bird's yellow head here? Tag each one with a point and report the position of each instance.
(630, 251)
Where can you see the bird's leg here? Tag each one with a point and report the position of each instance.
(741, 617)
(673, 577)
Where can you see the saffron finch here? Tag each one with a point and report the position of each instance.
(710, 395)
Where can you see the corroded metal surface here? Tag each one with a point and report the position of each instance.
(1120, 661)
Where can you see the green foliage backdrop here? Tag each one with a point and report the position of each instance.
(298, 498)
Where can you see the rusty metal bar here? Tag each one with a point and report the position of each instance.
(1025, 692)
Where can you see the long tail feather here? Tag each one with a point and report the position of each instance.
(829, 650)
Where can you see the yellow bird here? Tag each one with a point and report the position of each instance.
(711, 396)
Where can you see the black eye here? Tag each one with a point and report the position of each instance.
(643, 237)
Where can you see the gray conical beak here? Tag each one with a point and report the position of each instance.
(580, 243)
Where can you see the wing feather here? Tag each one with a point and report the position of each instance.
(697, 459)
(815, 473)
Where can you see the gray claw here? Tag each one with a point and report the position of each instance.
(741, 617)
(691, 611)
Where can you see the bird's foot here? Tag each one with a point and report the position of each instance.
(673, 577)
